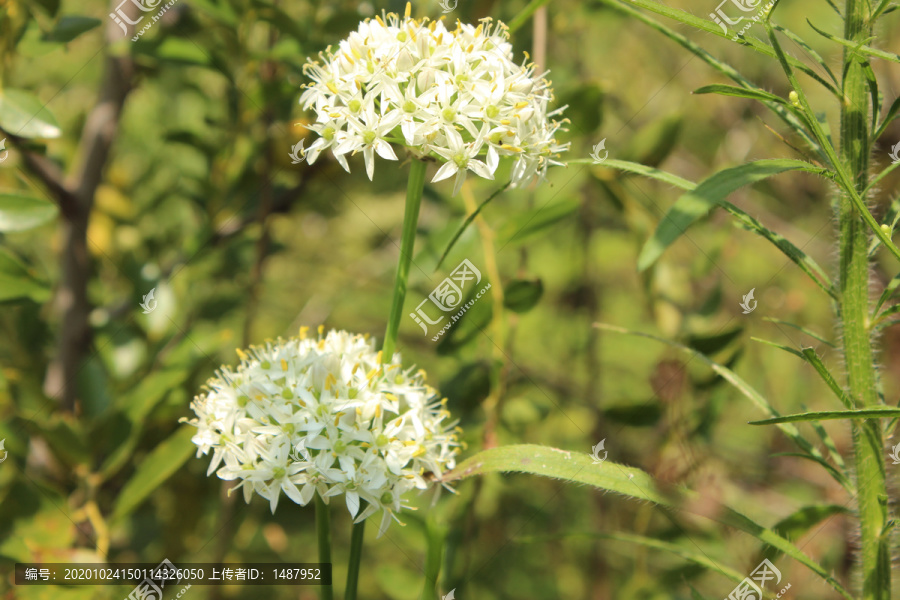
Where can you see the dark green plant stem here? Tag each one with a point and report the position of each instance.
(854, 293)
(414, 188)
(436, 534)
(356, 543)
(323, 533)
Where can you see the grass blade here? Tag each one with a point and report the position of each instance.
(831, 415)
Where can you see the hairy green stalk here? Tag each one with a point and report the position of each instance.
(854, 306)
(323, 533)
(414, 188)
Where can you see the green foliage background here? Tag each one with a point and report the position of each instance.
(199, 201)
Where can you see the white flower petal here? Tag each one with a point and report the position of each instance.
(448, 169)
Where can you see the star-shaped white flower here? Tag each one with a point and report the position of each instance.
(461, 157)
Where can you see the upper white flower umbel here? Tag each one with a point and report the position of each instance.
(455, 96)
(306, 416)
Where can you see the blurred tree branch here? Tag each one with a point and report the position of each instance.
(75, 195)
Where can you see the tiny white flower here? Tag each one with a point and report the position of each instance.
(460, 158)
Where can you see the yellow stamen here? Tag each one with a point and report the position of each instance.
(284, 365)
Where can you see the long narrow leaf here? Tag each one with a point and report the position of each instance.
(708, 194)
(830, 415)
(808, 332)
(739, 92)
(810, 356)
(861, 48)
(579, 467)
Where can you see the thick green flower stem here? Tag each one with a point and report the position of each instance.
(323, 533)
(858, 352)
(356, 543)
(414, 188)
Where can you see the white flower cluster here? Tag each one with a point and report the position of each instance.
(455, 96)
(324, 415)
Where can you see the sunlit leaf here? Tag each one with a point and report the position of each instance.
(24, 115)
(580, 468)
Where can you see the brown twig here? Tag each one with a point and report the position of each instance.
(76, 199)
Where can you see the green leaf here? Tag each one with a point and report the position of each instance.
(653, 173)
(17, 281)
(522, 295)
(808, 332)
(730, 90)
(19, 213)
(708, 194)
(810, 356)
(70, 27)
(23, 115)
(830, 415)
(154, 470)
(579, 468)
(809, 50)
(527, 224)
(858, 48)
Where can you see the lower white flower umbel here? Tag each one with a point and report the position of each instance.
(324, 416)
